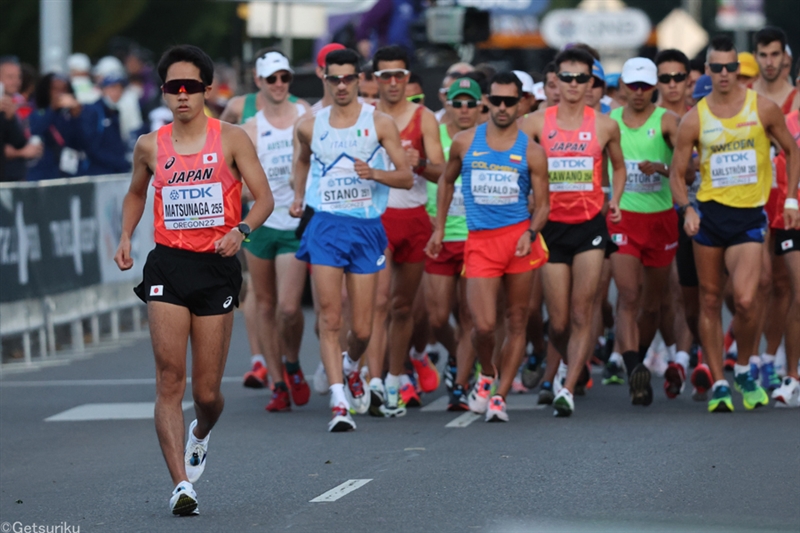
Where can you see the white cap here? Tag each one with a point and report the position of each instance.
(270, 63)
(79, 63)
(109, 66)
(639, 69)
(538, 91)
(527, 81)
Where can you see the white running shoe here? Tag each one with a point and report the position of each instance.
(788, 394)
(341, 421)
(561, 377)
(194, 456)
(563, 404)
(478, 399)
(393, 406)
(321, 384)
(497, 410)
(355, 384)
(183, 501)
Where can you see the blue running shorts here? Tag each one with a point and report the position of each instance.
(354, 244)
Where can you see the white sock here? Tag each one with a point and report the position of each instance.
(430, 348)
(415, 354)
(720, 383)
(348, 365)
(601, 340)
(671, 351)
(617, 359)
(766, 358)
(734, 348)
(337, 395)
(755, 360)
(404, 380)
(682, 358)
(195, 440)
(376, 383)
(392, 381)
(562, 367)
(258, 358)
(740, 369)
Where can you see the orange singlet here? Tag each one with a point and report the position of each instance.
(575, 166)
(198, 199)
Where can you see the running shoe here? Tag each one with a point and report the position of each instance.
(409, 396)
(564, 404)
(392, 406)
(613, 374)
(183, 501)
(434, 356)
(450, 370)
(639, 386)
(256, 378)
(674, 380)
(480, 394)
(561, 377)
(497, 410)
(426, 372)
(754, 371)
(546, 394)
(298, 387)
(376, 394)
(769, 377)
(517, 387)
(721, 401)
(752, 394)
(788, 394)
(531, 372)
(584, 381)
(341, 421)
(280, 401)
(194, 456)
(356, 390)
(702, 382)
(458, 399)
(321, 384)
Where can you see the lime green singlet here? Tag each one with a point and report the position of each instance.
(455, 228)
(249, 109)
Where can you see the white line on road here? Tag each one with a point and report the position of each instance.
(342, 490)
(94, 382)
(109, 411)
(463, 420)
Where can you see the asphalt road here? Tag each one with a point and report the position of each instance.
(610, 467)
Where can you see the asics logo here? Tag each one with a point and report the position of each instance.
(381, 260)
(228, 302)
(597, 240)
(322, 138)
(475, 153)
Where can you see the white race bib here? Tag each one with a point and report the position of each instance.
(457, 205)
(69, 161)
(342, 190)
(571, 174)
(193, 206)
(495, 187)
(734, 168)
(640, 182)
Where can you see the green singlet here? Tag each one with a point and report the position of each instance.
(455, 228)
(249, 109)
(644, 193)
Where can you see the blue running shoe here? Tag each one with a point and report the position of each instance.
(770, 380)
(754, 371)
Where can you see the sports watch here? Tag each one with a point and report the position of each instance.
(244, 229)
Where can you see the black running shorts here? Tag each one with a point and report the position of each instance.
(205, 283)
(687, 270)
(565, 241)
(786, 240)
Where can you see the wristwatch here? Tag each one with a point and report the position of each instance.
(244, 229)
(682, 209)
(532, 234)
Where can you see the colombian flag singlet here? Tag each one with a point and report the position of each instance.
(198, 200)
(574, 163)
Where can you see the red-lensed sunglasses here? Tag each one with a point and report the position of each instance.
(183, 86)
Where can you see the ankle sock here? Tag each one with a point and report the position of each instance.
(392, 381)
(682, 358)
(631, 360)
(292, 368)
(348, 365)
(414, 354)
(258, 358)
(282, 386)
(766, 359)
(741, 369)
(337, 395)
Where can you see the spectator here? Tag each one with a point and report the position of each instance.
(101, 129)
(130, 111)
(388, 22)
(10, 131)
(56, 121)
(16, 159)
(80, 68)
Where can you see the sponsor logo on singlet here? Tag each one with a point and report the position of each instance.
(170, 162)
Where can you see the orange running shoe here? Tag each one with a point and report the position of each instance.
(256, 378)
(298, 388)
(427, 374)
(409, 396)
(280, 401)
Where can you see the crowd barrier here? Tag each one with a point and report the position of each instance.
(57, 245)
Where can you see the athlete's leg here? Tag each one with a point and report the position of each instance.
(262, 277)
(710, 263)
(169, 331)
(406, 278)
(792, 260)
(291, 276)
(763, 296)
(211, 337)
(465, 352)
(535, 329)
(691, 309)
(628, 275)
(361, 288)
(439, 296)
(421, 330)
(482, 300)
(655, 283)
(681, 329)
(376, 351)
(251, 320)
(517, 291)
(582, 300)
(781, 298)
(744, 263)
(328, 282)
(556, 282)
(668, 312)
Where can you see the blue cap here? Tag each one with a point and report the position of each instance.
(612, 80)
(702, 87)
(597, 71)
(112, 79)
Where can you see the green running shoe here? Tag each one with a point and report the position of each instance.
(613, 374)
(752, 394)
(721, 401)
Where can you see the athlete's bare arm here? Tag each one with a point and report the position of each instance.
(614, 150)
(433, 146)
(669, 129)
(444, 195)
(540, 182)
(389, 137)
(688, 135)
(532, 125)
(774, 123)
(233, 110)
(301, 162)
(144, 155)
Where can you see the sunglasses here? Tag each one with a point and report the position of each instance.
(458, 104)
(183, 86)
(639, 85)
(387, 75)
(416, 98)
(579, 77)
(285, 78)
(509, 101)
(677, 76)
(716, 68)
(335, 81)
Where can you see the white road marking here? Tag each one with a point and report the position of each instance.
(463, 420)
(342, 490)
(94, 382)
(109, 411)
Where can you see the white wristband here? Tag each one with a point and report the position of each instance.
(791, 203)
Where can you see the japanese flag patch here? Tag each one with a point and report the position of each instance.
(209, 158)
(156, 290)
